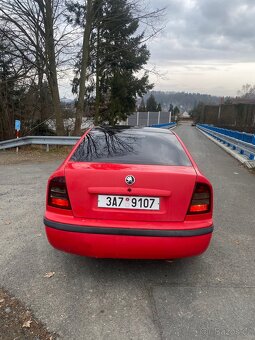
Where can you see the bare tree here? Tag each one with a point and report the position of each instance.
(38, 34)
(12, 73)
(84, 64)
(247, 92)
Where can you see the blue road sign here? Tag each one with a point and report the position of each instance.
(17, 125)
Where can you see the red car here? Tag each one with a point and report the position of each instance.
(131, 193)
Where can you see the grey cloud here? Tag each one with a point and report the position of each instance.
(206, 30)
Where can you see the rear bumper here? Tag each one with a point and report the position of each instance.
(129, 243)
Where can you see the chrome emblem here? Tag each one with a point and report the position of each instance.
(130, 179)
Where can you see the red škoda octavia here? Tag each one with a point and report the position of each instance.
(131, 193)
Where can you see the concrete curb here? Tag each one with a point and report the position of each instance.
(233, 153)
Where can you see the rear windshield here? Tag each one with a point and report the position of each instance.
(131, 147)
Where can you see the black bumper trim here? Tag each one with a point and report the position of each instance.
(128, 231)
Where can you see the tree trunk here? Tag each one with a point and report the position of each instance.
(96, 118)
(7, 119)
(52, 67)
(40, 76)
(84, 66)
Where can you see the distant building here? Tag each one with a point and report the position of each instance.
(185, 114)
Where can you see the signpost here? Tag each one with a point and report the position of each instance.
(17, 131)
(17, 125)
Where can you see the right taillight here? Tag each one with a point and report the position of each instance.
(201, 199)
(57, 194)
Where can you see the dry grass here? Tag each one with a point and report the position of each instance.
(33, 154)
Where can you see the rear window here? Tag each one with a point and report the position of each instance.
(131, 147)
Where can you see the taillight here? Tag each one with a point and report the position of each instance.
(57, 194)
(201, 199)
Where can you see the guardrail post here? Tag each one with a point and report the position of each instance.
(47, 148)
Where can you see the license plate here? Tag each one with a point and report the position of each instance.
(128, 202)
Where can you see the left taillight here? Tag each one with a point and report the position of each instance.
(57, 193)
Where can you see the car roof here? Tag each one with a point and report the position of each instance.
(131, 129)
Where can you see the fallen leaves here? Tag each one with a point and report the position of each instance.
(19, 321)
(49, 274)
(27, 324)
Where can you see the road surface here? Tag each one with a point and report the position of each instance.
(208, 297)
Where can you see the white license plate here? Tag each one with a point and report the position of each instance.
(128, 202)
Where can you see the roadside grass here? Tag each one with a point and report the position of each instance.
(34, 153)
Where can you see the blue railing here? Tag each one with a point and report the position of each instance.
(167, 125)
(243, 136)
(227, 137)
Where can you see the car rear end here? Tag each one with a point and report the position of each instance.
(129, 193)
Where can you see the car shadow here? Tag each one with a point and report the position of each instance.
(149, 272)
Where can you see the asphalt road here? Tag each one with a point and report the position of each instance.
(207, 297)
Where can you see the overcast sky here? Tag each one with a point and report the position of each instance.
(207, 46)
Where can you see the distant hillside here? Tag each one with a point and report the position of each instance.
(185, 101)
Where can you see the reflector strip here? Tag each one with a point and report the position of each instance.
(199, 208)
(61, 202)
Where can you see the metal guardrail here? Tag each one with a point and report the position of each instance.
(242, 136)
(244, 148)
(39, 140)
(51, 140)
(167, 125)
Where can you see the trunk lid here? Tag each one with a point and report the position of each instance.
(174, 186)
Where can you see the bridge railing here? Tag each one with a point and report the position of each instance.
(166, 126)
(243, 136)
(229, 139)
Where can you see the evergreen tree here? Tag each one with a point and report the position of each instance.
(171, 108)
(117, 54)
(176, 112)
(196, 112)
(159, 107)
(142, 107)
(120, 56)
(151, 104)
